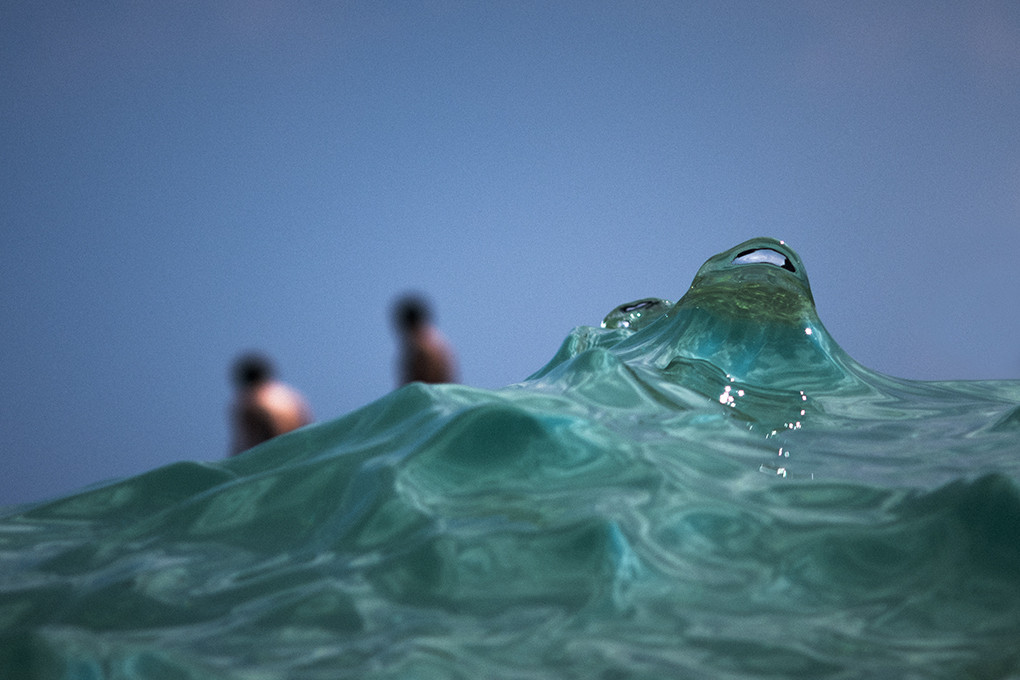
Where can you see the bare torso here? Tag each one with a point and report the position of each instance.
(267, 411)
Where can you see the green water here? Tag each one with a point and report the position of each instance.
(709, 488)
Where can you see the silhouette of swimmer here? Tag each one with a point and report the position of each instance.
(264, 407)
(425, 354)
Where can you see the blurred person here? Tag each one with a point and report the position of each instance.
(264, 407)
(425, 354)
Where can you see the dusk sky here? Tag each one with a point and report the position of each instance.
(182, 181)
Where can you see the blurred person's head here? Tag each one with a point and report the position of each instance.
(411, 312)
(252, 369)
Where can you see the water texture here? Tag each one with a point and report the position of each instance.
(705, 489)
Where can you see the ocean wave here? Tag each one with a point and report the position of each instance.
(695, 489)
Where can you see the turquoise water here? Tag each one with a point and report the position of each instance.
(705, 489)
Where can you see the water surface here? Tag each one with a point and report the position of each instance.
(710, 488)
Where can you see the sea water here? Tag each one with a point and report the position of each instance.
(709, 488)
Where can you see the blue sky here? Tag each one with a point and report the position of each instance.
(183, 181)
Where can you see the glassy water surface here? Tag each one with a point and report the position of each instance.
(709, 488)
